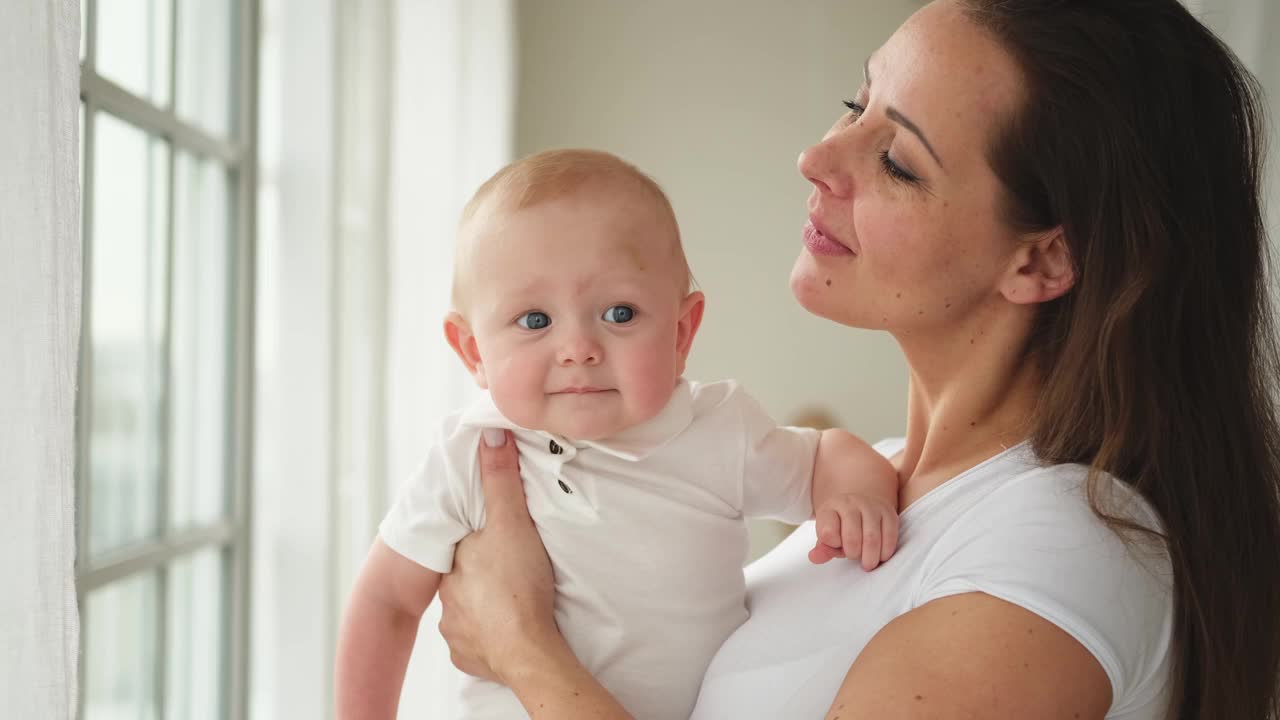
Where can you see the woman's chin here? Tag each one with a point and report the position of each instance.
(811, 291)
(816, 296)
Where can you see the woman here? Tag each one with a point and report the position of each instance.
(1054, 208)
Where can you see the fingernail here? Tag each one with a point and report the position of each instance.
(495, 438)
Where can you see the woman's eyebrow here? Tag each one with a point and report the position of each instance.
(901, 119)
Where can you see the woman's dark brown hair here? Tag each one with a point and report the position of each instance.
(1142, 135)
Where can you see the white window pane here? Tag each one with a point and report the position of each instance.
(197, 638)
(119, 651)
(201, 342)
(206, 63)
(126, 325)
(134, 48)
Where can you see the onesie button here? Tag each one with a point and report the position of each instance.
(556, 449)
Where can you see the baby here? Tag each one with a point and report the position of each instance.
(573, 308)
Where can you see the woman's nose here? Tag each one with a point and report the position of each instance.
(821, 165)
(580, 350)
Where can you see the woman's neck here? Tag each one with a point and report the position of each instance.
(972, 395)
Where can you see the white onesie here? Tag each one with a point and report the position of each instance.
(645, 531)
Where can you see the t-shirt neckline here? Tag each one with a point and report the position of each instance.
(891, 446)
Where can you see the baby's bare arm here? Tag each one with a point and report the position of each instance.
(855, 502)
(377, 634)
(846, 464)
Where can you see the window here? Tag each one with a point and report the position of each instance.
(168, 140)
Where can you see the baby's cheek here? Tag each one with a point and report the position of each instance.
(652, 377)
(517, 394)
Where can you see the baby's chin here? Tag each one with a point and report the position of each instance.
(584, 425)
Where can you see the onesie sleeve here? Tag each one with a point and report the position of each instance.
(429, 516)
(777, 464)
(1036, 543)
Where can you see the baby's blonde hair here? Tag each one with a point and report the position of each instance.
(554, 174)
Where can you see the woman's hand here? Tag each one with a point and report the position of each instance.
(498, 601)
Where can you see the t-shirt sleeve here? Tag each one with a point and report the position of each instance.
(777, 465)
(429, 516)
(1036, 543)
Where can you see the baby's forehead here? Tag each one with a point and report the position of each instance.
(584, 221)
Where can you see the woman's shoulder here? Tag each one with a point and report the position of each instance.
(1055, 539)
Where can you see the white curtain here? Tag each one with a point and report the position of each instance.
(453, 109)
(292, 608)
(377, 122)
(39, 344)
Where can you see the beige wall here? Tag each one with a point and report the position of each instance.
(715, 99)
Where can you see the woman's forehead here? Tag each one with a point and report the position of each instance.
(951, 76)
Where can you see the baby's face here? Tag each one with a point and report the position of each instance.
(576, 306)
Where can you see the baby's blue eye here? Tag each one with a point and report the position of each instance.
(621, 314)
(534, 320)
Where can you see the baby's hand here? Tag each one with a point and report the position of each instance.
(854, 526)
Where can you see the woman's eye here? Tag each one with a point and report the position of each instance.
(620, 314)
(534, 320)
(854, 108)
(895, 171)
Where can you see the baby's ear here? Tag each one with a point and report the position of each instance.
(687, 326)
(458, 332)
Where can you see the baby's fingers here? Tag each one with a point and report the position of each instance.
(851, 533)
(827, 525)
(890, 541)
(871, 541)
(827, 544)
(821, 554)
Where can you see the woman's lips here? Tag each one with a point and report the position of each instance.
(820, 244)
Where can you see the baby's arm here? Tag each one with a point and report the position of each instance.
(378, 630)
(855, 501)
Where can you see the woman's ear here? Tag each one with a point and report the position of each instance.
(458, 332)
(1042, 269)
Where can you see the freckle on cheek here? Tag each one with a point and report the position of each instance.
(828, 282)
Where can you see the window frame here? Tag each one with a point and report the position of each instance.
(237, 155)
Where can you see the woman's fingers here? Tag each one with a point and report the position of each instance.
(462, 651)
(501, 590)
(500, 478)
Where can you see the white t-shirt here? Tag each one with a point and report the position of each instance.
(645, 532)
(1010, 528)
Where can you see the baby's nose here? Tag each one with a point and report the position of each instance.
(581, 350)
